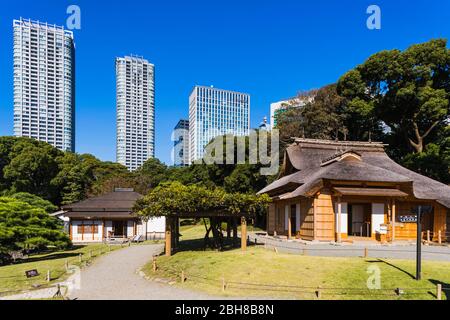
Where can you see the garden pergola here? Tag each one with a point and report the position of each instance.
(175, 200)
(216, 219)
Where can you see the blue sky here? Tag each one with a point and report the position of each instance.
(269, 49)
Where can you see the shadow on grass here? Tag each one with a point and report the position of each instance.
(393, 266)
(445, 289)
(199, 245)
(41, 256)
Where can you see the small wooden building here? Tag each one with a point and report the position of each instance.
(330, 190)
(110, 216)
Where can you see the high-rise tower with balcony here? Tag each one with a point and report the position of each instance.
(135, 98)
(44, 83)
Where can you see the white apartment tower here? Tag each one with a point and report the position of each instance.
(44, 83)
(214, 112)
(135, 95)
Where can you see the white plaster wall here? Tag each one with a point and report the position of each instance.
(157, 224)
(344, 217)
(377, 216)
(88, 237)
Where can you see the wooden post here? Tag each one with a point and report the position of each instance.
(48, 276)
(228, 229)
(428, 236)
(168, 236)
(223, 284)
(439, 237)
(289, 225)
(243, 234)
(339, 236)
(394, 212)
(80, 257)
(366, 252)
(183, 278)
(178, 231)
(439, 291)
(66, 265)
(155, 267)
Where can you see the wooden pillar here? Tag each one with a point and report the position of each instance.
(228, 228)
(394, 212)
(168, 236)
(93, 229)
(235, 235)
(289, 224)
(70, 229)
(339, 221)
(243, 234)
(177, 230)
(315, 218)
(103, 229)
(82, 230)
(173, 233)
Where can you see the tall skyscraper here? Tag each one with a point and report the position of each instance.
(135, 86)
(181, 144)
(214, 112)
(44, 83)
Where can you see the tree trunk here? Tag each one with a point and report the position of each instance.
(418, 145)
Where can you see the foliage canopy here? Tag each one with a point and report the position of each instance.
(175, 198)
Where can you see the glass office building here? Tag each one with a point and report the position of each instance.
(44, 83)
(181, 144)
(214, 112)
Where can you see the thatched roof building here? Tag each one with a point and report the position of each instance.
(354, 175)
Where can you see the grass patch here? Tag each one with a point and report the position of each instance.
(13, 279)
(296, 277)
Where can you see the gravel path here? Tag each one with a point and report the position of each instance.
(374, 250)
(114, 277)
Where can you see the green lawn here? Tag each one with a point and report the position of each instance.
(263, 273)
(12, 277)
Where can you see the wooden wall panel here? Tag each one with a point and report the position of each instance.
(306, 219)
(404, 231)
(271, 219)
(440, 222)
(324, 216)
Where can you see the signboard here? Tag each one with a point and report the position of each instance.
(31, 273)
(412, 218)
(408, 219)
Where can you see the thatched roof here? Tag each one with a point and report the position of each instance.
(309, 162)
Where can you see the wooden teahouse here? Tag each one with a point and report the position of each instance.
(335, 190)
(110, 216)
